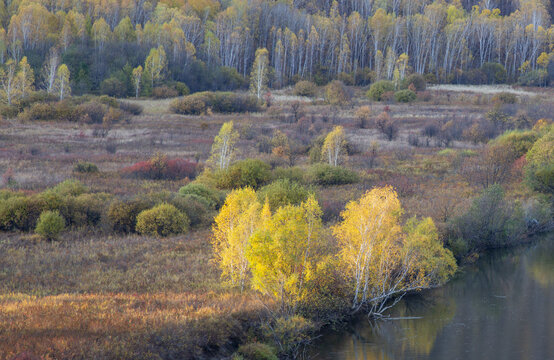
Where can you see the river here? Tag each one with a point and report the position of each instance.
(501, 307)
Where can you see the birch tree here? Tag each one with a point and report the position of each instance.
(258, 77)
(50, 69)
(155, 64)
(334, 146)
(25, 78)
(382, 259)
(61, 84)
(8, 81)
(137, 77)
(223, 147)
(238, 219)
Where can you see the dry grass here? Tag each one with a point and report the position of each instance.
(111, 297)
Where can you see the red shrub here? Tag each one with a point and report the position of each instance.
(161, 168)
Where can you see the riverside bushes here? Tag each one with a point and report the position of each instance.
(220, 102)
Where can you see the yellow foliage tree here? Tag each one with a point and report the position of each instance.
(334, 145)
(284, 250)
(383, 260)
(238, 219)
(223, 147)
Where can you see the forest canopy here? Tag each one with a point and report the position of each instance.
(210, 44)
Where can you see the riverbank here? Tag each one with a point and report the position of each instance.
(497, 307)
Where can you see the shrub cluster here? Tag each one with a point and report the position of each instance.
(220, 102)
(160, 167)
(85, 167)
(69, 198)
(417, 80)
(405, 96)
(211, 197)
(378, 89)
(324, 174)
(249, 172)
(283, 192)
(305, 88)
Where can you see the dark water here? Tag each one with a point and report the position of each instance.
(500, 308)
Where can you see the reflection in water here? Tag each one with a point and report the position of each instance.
(500, 308)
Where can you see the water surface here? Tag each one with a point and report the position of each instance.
(500, 308)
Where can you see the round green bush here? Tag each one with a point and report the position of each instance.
(283, 192)
(50, 225)
(213, 197)
(162, 220)
(405, 96)
(196, 208)
(249, 172)
(305, 88)
(123, 215)
(379, 88)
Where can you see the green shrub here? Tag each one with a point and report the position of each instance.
(257, 351)
(418, 80)
(249, 172)
(378, 89)
(107, 100)
(491, 221)
(494, 72)
(50, 225)
(182, 88)
(196, 208)
(405, 96)
(162, 220)
(84, 209)
(85, 167)
(324, 174)
(20, 212)
(336, 93)
(69, 187)
(123, 215)
(112, 86)
(534, 78)
(213, 197)
(305, 88)
(294, 173)
(283, 192)
(539, 171)
(520, 141)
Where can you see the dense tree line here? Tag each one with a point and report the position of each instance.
(211, 44)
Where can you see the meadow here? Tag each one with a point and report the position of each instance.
(99, 293)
